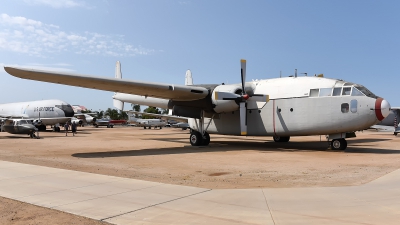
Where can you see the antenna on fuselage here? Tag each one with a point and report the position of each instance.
(295, 72)
(280, 74)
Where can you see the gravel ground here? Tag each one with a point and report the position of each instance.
(166, 156)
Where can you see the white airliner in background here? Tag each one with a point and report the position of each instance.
(280, 107)
(42, 112)
(145, 123)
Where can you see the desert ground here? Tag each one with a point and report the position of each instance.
(166, 156)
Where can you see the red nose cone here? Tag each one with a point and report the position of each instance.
(382, 108)
(245, 97)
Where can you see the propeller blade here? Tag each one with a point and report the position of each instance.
(225, 96)
(259, 98)
(243, 74)
(243, 119)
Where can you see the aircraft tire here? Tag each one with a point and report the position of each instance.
(206, 139)
(195, 138)
(281, 139)
(339, 144)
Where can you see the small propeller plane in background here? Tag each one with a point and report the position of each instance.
(280, 107)
(19, 126)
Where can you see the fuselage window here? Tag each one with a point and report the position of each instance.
(345, 107)
(337, 91)
(325, 92)
(356, 92)
(346, 91)
(353, 106)
(314, 92)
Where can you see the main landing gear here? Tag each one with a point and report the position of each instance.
(339, 144)
(196, 139)
(200, 137)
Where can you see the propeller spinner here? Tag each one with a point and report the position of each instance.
(242, 99)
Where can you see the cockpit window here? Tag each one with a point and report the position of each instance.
(366, 92)
(337, 91)
(346, 91)
(325, 92)
(356, 92)
(314, 92)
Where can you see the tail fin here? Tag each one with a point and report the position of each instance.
(188, 78)
(118, 74)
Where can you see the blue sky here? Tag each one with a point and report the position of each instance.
(155, 40)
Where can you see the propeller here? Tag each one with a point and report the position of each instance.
(242, 98)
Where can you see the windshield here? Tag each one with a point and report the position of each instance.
(366, 92)
(23, 122)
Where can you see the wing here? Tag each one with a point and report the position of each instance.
(162, 116)
(158, 90)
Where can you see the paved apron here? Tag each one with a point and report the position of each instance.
(127, 201)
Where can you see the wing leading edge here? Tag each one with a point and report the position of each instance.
(152, 89)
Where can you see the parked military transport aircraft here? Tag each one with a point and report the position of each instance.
(42, 112)
(280, 107)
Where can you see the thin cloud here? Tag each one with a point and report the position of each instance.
(58, 3)
(35, 38)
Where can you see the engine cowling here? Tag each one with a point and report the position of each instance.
(226, 105)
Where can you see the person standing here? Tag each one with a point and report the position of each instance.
(66, 126)
(73, 128)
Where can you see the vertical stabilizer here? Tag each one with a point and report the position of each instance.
(118, 74)
(188, 78)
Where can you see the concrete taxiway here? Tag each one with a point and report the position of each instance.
(128, 201)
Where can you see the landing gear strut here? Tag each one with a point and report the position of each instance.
(200, 137)
(339, 144)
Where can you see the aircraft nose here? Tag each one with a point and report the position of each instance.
(382, 108)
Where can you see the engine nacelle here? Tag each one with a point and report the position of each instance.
(226, 105)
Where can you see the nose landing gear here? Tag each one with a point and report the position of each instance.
(339, 144)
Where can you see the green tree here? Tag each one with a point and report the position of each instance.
(112, 113)
(123, 115)
(164, 111)
(135, 107)
(100, 114)
(150, 109)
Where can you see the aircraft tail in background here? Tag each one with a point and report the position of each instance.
(118, 74)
